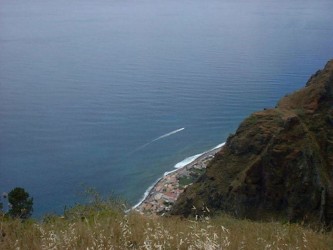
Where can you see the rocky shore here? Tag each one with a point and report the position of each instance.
(165, 192)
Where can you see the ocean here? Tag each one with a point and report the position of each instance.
(112, 94)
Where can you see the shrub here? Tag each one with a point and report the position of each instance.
(20, 203)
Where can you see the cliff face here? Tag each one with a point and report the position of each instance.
(278, 164)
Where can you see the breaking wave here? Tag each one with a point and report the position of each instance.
(181, 164)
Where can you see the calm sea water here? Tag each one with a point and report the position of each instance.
(113, 93)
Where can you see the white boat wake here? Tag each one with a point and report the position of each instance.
(167, 134)
(159, 138)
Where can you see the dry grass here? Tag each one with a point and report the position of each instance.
(102, 227)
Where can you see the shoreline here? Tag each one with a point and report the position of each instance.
(161, 195)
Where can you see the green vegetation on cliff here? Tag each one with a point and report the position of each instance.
(278, 164)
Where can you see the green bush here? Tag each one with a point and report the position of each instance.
(20, 203)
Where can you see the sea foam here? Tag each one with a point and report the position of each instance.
(177, 166)
(192, 158)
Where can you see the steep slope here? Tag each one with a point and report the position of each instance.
(278, 164)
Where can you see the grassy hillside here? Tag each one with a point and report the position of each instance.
(103, 225)
(278, 164)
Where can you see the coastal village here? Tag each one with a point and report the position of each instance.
(165, 192)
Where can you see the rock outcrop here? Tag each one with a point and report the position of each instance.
(278, 164)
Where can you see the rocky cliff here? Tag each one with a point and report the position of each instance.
(278, 164)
